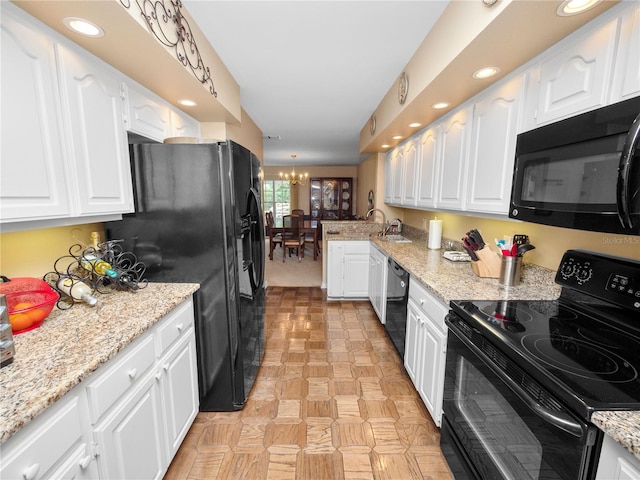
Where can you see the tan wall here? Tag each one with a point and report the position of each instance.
(367, 178)
(33, 253)
(550, 242)
(302, 198)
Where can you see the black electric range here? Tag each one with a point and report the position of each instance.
(523, 377)
(584, 346)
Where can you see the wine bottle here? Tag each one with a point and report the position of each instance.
(77, 289)
(97, 265)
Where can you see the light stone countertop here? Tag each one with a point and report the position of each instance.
(449, 280)
(71, 344)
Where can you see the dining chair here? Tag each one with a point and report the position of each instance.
(292, 236)
(275, 239)
(308, 237)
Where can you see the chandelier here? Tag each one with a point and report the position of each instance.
(294, 178)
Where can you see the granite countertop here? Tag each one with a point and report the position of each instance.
(71, 344)
(449, 280)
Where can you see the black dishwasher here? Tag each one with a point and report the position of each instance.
(397, 298)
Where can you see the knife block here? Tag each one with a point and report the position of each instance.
(488, 263)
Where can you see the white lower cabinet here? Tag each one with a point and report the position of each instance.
(378, 281)
(126, 421)
(57, 443)
(131, 439)
(348, 269)
(426, 347)
(616, 462)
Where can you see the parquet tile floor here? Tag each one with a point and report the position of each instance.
(332, 401)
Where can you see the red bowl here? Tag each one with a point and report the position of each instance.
(27, 310)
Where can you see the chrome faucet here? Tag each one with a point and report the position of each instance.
(384, 220)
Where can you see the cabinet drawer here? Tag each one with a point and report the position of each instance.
(428, 303)
(173, 326)
(356, 246)
(119, 377)
(46, 440)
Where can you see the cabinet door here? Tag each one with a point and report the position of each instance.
(33, 184)
(412, 345)
(577, 78)
(377, 281)
(179, 378)
(145, 116)
(99, 150)
(132, 438)
(335, 264)
(493, 146)
(397, 161)
(388, 177)
(427, 171)
(356, 275)
(453, 160)
(626, 82)
(616, 462)
(430, 370)
(374, 281)
(410, 173)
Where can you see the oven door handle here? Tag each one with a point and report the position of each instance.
(624, 189)
(560, 420)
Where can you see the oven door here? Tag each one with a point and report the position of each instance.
(500, 424)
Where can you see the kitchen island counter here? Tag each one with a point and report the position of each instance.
(73, 343)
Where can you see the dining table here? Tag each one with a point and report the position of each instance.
(308, 226)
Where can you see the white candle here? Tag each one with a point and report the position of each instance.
(435, 234)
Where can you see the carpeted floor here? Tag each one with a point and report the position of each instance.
(291, 273)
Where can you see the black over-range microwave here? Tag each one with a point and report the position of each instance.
(582, 172)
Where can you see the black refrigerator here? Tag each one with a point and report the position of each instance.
(198, 219)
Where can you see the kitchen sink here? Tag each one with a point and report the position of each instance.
(396, 239)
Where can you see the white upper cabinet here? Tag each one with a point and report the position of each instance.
(410, 172)
(576, 77)
(393, 181)
(428, 152)
(397, 161)
(453, 159)
(93, 106)
(626, 80)
(33, 183)
(144, 115)
(493, 146)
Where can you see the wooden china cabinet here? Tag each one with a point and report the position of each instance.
(331, 198)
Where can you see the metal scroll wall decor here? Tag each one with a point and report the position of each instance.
(171, 28)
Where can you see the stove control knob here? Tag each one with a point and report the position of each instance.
(567, 269)
(584, 275)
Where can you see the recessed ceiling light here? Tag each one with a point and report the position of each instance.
(83, 27)
(415, 125)
(397, 137)
(187, 103)
(440, 105)
(385, 146)
(485, 72)
(573, 7)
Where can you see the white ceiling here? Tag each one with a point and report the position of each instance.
(313, 72)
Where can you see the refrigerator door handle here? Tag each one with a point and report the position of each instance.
(257, 239)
